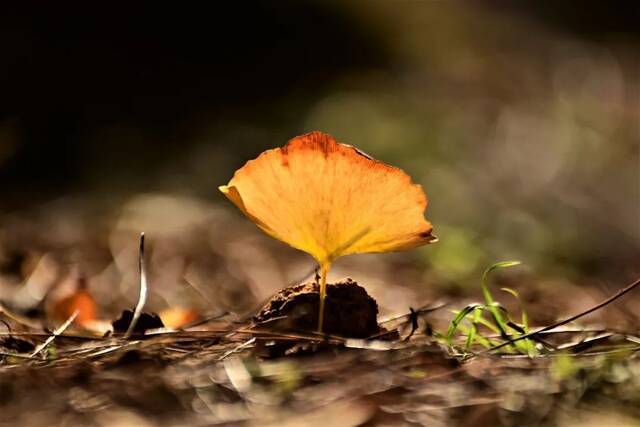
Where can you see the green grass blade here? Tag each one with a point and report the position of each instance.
(528, 344)
(473, 330)
(478, 338)
(491, 326)
(499, 319)
(453, 326)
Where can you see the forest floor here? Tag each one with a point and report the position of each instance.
(448, 362)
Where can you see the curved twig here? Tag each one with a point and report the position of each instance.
(142, 299)
(607, 301)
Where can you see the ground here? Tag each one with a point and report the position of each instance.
(230, 368)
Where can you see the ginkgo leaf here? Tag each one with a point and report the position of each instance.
(329, 200)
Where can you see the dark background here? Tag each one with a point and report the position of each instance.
(72, 72)
(147, 97)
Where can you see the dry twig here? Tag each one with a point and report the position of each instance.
(607, 301)
(143, 290)
(57, 332)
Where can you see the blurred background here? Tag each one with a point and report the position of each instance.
(520, 120)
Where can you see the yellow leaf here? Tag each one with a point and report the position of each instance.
(329, 200)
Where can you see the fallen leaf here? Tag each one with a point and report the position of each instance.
(177, 317)
(82, 301)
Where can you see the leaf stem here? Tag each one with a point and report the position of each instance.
(324, 269)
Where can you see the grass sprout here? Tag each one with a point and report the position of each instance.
(476, 320)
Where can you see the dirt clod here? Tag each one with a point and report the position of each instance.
(146, 321)
(16, 344)
(349, 310)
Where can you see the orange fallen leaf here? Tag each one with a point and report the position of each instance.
(80, 300)
(177, 317)
(329, 200)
